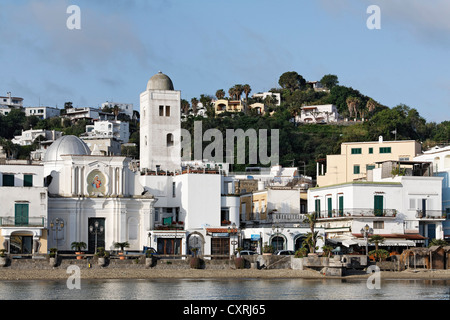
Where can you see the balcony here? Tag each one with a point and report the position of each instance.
(357, 213)
(430, 214)
(31, 222)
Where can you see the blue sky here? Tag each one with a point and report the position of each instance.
(206, 45)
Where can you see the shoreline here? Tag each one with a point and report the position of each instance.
(230, 274)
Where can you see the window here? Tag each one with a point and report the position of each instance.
(370, 167)
(174, 187)
(378, 224)
(385, 149)
(28, 180)
(167, 111)
(370, 150)
(161, 111)
(356, 169)
(356, 151)
(169, 140)
(8, 180)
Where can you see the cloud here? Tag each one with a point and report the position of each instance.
(105, 39)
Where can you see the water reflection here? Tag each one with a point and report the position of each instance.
(244, 289)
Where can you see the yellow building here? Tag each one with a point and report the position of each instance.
(357, 158)
(223, 105)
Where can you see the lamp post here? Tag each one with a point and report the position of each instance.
(366, 231)
(56, 225)
(95, 229)
(232, 231)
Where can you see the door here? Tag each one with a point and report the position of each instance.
(330, 207)
(278, 243)
(341, 206)
(21, 214)
(96, 237)
(431, 232)
(21, 244)
(168, 246)
(378, 205)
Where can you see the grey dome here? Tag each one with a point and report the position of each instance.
(66, 145)
(160, 82)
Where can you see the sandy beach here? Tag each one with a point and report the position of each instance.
(61, 274)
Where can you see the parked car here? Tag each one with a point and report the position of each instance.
(284, 252)
(246, 253)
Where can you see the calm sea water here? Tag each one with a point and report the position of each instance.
(243, 289)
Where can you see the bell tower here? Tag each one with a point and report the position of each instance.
(160, 126)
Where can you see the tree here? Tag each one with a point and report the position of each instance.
(194, 103)
(238, 90)
(247, 89)
(377, 239)
(220, 94)
(292, 81)
(329, 81)
(311, 237)
(185, 106)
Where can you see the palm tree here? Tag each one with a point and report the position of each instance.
(116, 110)
(247, 89)
(232, 93)
(239, 89)
(311, 237)
(220, 94)
(194, 103)
(352, 104)
(377, 239)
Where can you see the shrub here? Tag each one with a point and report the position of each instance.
(300, 253)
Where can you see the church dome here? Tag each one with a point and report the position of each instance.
(160, 82)
(66, 145)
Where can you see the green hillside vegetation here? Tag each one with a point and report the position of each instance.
(300, 144)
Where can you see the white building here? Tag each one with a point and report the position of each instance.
(88, 113)
(160, 125)
(405, 209)
(27, 137)
(440, 160)
(42, 112)
(11, 102)
(24, 213)
(125, 108)
(318, 114)
(263, 95)
(118, 130)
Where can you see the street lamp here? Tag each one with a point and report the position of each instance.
(95, 229)
(56, 225)
(232, 231)
(366, 231)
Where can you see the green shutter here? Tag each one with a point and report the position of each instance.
(317, 207)
(378, 205)
(28, 180)
(341, 206)
(330, 208)
(8, 180)
(21, 214)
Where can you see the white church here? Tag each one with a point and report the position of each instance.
(79, 195)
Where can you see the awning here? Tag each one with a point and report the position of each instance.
(349, 243)
(388, 243)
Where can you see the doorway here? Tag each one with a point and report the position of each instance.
(96, 238)
(21, 244)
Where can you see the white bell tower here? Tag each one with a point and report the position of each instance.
(160, 125)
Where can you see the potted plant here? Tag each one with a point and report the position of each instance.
(53, 256)
(78, 246)
(102, 255)
(121, 245)
(3, 258)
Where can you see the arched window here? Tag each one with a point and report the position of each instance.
(169, 139)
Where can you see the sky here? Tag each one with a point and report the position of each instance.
(206, 45)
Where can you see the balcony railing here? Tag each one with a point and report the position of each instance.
(30, 222)
(357, 212)
(430, 214)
